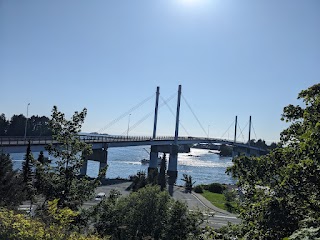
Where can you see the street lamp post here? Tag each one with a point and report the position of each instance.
(209, 131)
(128, 125)
(25, 128)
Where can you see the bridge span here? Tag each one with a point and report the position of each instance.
(101, 144)
(18, 144)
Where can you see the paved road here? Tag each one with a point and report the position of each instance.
(215, 217)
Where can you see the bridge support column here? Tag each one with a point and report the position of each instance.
(173, 168)
(104, 160)
(83, 169)
(100, 155)
(154, 157)
(153, 165)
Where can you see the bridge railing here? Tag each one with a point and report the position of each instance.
(37, 140)
(11, 140)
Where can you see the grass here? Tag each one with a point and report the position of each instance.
(217, 199)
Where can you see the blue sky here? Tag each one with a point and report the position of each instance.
(231, 58)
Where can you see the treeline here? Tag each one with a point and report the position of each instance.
(36, 126)
(262, 144)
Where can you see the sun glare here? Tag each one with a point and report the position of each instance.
(190, 2)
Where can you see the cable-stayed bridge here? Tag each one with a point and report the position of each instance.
(169, 144)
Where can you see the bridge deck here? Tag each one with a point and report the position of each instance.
(118, 141)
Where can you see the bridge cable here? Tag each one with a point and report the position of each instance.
(166, 103)
(254, 132)
(126, 113)
(206, 134)
(228, 129)
(241, 133)
(145, 117)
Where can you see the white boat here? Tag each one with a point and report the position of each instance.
(146, 161)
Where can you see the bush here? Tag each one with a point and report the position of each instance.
(198, 189)
(216, 188)
(229, 195)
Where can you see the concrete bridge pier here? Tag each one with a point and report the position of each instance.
(173, 168)
(154, 157)
(83, 169)
(104, 159)
(100, 155)
(153, 164)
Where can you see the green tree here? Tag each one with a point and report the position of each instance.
(28, 176)
(282, 189)
(17, 125)
(63, 181)
(3, 125)
(11, 187)
(27, 165)
(147, 213)
(39, 126)
(39, 173)
(18, 226)
(162, 180)
(139, 181)
(188, 184)
(225, 151)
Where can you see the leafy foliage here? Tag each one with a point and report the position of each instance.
(36, 126)
(18, 226)
(225, 150)
(215, 187)
(62, 182)
(198, 189)
(188, 184)
(282, 188)
(149, 212)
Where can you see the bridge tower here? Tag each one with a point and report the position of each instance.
(153, 165)
(235, 138)
(173, 159)
(249, 138)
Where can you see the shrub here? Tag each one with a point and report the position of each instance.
(216, 188)
(198, 189)
(229, 195)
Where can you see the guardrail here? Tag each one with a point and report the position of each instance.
(41, 140)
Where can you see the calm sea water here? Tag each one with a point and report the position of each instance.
(203, 166)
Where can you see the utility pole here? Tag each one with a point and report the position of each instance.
(128, 124)
(25, 128)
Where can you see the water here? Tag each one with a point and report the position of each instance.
(204, 167)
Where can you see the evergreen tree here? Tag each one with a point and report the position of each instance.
(162, 180)
(27, 165)
(41, 158)
(28, 181)
(11, 187)
(39, 172)
(17, 125)
(3, 125)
